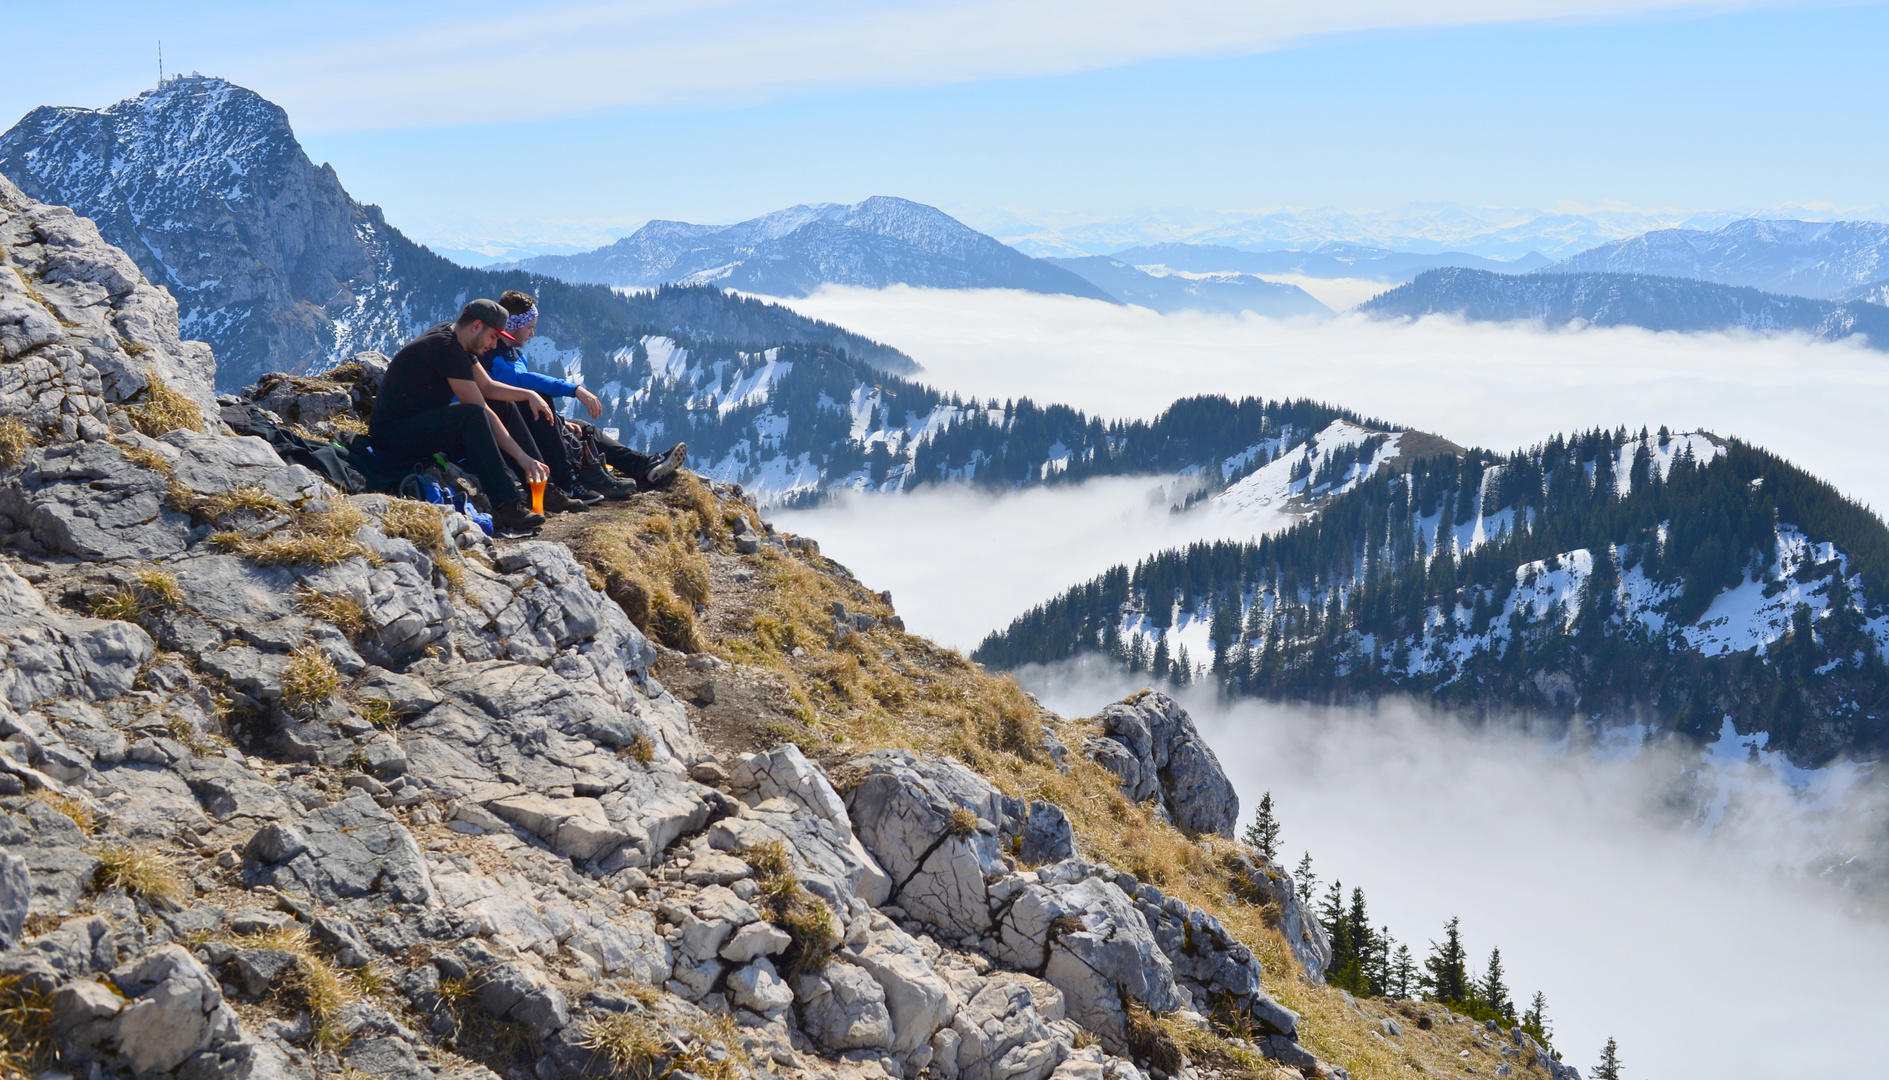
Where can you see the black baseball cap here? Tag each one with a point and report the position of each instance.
(491, 314)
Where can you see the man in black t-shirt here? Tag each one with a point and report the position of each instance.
(414, 414)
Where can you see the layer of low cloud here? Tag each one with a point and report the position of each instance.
(1497, 386)
(1696, 955)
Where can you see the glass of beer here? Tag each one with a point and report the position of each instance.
(537, 496)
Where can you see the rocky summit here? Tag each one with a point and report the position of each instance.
(296, 784)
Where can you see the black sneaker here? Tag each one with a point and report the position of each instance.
(515, 520)
(667, 463)
(583, 494)
(597, 480)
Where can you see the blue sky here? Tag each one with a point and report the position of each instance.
(718, 110)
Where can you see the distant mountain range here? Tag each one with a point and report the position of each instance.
(1219, 293)
(204, 185)
(881, 241)
(1497, 232)
(1330, 260)
(1827, 260)
(1606, 299)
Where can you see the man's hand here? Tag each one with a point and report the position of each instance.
(536, 472)
(590, 402)
(539, 408)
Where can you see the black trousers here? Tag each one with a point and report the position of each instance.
(461, 432)
(629, 462)
(539, 438)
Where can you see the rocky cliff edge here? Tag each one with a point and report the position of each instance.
(294, 784)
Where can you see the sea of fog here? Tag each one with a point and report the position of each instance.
(1699, 957)
(1703, 956)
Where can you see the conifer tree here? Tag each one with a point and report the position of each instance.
(1609, 1067)
(1535, 1020)
(1403, 974)
(1492, 990)
(1263, 834)
(1446, 977)
(1307, 879)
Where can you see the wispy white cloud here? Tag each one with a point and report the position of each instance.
(484, 61)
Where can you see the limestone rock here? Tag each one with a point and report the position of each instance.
(175, 1009)
(353, 848)
(1160, 753)
(16, 895)
(843, 1008)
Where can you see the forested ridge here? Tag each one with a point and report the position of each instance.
(1564, 581)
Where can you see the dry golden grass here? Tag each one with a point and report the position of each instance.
(323, 538)
(806, 918)
(310, 678)
(344, 612)
(146, 458)
(80, 814)
(162, 410)
(316, 986)
(417, 522)
(15, 440)
(248, 500)
(882, 688)
(632, 1046)
(652, 569)
(140, 872)
(26, 1045)
(150, 590)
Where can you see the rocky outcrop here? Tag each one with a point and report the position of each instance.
(1151, 743)
(346, 769)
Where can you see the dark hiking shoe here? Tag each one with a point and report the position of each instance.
(596, 479)
(556, 502)
(583, 494)
(515, 519)
(667, 463)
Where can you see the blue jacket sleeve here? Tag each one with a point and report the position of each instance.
(509, 369)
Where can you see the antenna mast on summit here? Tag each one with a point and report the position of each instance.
(160, 61)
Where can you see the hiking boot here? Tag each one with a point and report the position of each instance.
(583, 494)
(596, 479)
(515, 519)
(556, 502)
(666, 464)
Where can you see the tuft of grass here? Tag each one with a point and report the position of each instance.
(141, 873)
(963, 821)
(631, 1046)
(344, 612)
(149, 591)
(323, 538)
(380, 713)
(311, 677)
(317, 985)
(418, 522)
(80, 814)
(247, 500)
(160, 589)
(162, 410)
(640, 749)
(146, 458)
(26, 1045)
(787, 904)
(15, 440)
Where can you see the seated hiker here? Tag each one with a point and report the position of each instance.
(508, 366)
(415, 414)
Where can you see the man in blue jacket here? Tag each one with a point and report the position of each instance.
(591, 481)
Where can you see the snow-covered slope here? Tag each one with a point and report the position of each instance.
(881, 241)
(1828, 260)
